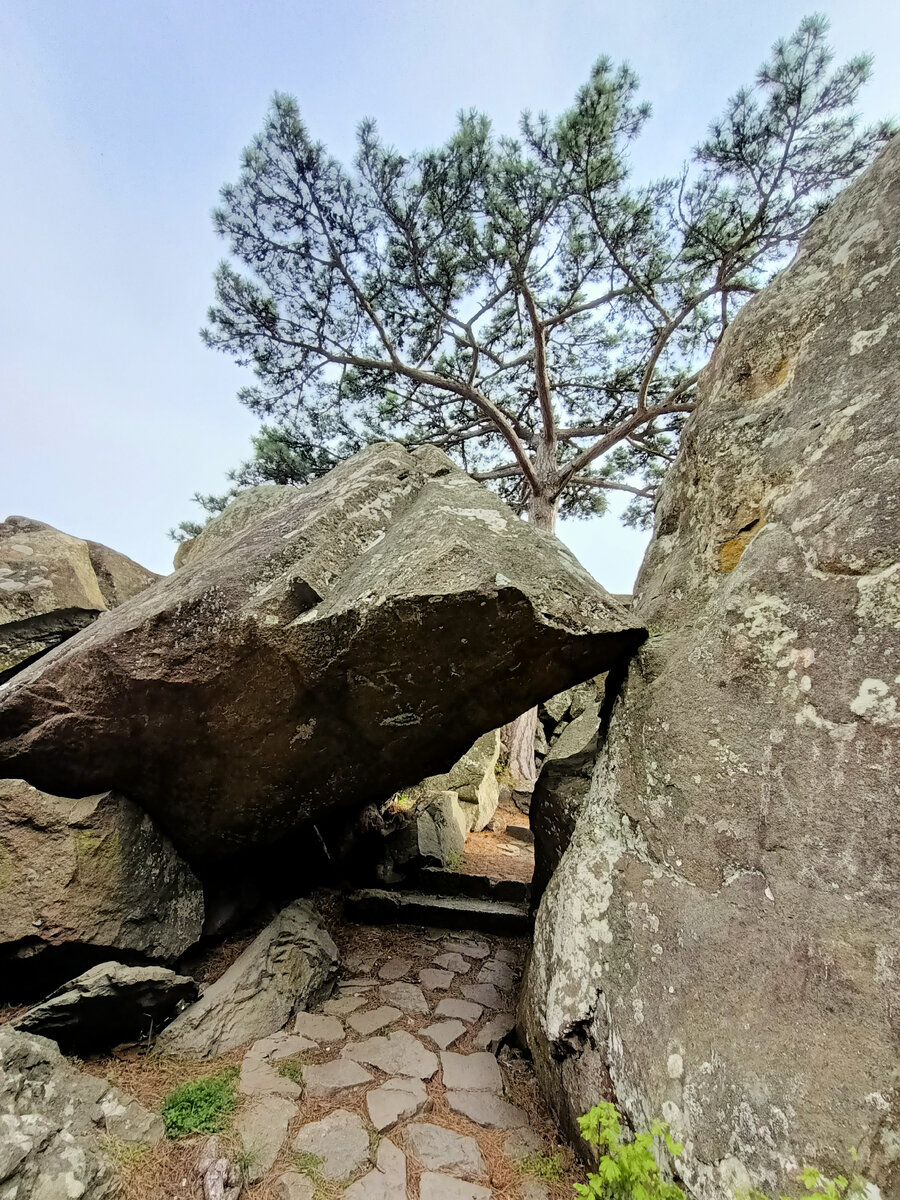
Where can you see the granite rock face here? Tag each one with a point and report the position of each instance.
(720, 945)
(384, 618)
(289, 967)
(52, 585)
(52, 1118)
(82, 878)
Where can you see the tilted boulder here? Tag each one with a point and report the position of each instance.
(109, 1004)
(53, 1119)
(52, 585)
(81, 878)
(720, 945)
(246, 508)
(344, 645)
(290, 967)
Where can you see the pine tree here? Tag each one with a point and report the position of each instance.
(516, 301)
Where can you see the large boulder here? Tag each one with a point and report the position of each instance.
(54, 1120)
(342, 646)
(52, 585)
(246, 508)
(80, 879)
(109, 1004)
(720, 945)
(290, 967)
(435, 815)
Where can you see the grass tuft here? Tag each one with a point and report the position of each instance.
(201, 1105)
(541, 1166)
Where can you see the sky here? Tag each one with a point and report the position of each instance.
(120, 121)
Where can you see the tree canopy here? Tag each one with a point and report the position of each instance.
(519, 301)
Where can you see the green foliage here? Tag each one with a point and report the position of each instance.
(454, 861)
(626, 1170)
(292, 1069)
(201, 1105)
(541, 1166)
(518, 300)
(817, 1186)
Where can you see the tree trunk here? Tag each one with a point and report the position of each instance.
(518, 736)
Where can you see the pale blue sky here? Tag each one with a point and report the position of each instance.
(120, 120)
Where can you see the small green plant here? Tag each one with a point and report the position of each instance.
(292, 1069)
(627, 1170)
(541, 1166)
(245, 1159)
(819, 1187)
(308, 1164)
(200, 1106)
(453, 861)
(403, 802)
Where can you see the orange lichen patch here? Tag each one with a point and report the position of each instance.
(730, 553)
(763, 382)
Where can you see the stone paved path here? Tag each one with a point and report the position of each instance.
(394, 1090)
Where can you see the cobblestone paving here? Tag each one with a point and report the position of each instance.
(399, 1087)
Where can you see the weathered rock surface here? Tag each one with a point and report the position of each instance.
(51, 1119)
(108, 1004)
(291, 965)
(246, 508)
(81, 879)
(52, 585)
(720, 944)
(386, 616)
(559, 793)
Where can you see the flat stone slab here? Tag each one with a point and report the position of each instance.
(453, 962)
(395, 968)
(483, 993)
(477, 1072)
(398, 1053)
(328, 1078)
(262, 1127)
(394, 1101)
(469, 949)
(487, 1109)
(494, 1031)
(462, 1010)
(278, 1046)
(534, 1189)
(499, 974)
(387, 1181)
(408, 997)
(435, 980)
(319, 1027)
(438, 1149)
(444, 1033)
(294, 1186)
(522, 833)
(373, 1019)
(339, 1141)
(445, 1187)
(360, 962)
(522, 1142)
(341, 1006)
(378, 906)
(260, 1078)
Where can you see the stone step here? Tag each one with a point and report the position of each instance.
(437, 881)
(377, 906)
(522, 833)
